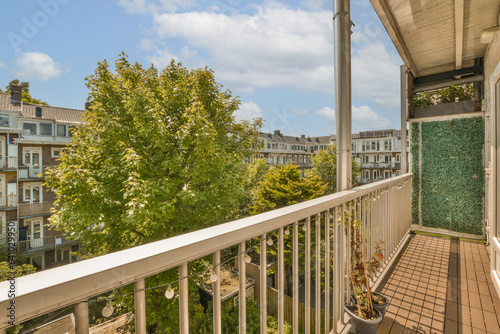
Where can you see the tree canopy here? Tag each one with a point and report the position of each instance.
(324, 166)
(282, 186)
(158, 154)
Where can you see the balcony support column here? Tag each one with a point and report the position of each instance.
(82, 317)
(404, 107)
(140, 306)
(342, 30)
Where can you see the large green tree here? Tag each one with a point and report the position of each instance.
(159, 154)
(324, 166)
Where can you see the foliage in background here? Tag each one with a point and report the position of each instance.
(324, 166)
(18, 271)
(26, 97)
(282, 186)
(454, 93)
(452, 183)
(415, 169)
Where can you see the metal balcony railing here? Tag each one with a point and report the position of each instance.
(9, 201)
(9, 162)
(33, 209)
(384, 207)
(30, 172)
(39, 244)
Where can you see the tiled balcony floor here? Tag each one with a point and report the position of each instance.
(441, 286)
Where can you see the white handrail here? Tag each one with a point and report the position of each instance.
(49, 290)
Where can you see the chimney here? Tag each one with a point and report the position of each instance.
(38, 112)
(277, 132)
(303, 136)
(87, 106)
(16, 94)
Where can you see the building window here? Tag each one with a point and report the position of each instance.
(29, 128)
(398, 158)
(387, 159)
(61, 130)
(366, 159)
(56, 152)
(4, 120)
(32, 192)
(45, 129)
(374, 146)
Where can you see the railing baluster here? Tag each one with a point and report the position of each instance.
(82, 317)
(216, 298)
(183, 299)
(243, 289)
(296, 277)
(281, 281)
(327, 271)
(307, 264)
(140, 306)
(318, 274)
(263, 284)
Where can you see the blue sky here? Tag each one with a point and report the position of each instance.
(277, 56)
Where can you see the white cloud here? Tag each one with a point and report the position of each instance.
(187, 56)
(313, 4)
(363, 118)
(375, 75)
(328, 113)
(275, 47)
(148, 6)
(248, 111)
(37, 66)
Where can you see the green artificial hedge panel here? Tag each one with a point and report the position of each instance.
(452, 175)
(415, 182)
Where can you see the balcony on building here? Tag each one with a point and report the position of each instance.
(27, 210)
(435, 284)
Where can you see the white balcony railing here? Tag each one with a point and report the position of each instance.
(9, 162)
(9, 201)
(383, 206)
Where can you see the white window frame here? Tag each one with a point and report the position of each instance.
(37, 130)
(31, 186)
(53, 149)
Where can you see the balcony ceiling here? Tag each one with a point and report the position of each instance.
(437, 36)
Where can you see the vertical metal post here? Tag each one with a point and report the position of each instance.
(82, 318)
(342, 29)
(295, 320)
(183, 299)
(281, 281)
(404, 108)
(327, 270)
(307, 315)
(243, 288)
(263, 284)
(217, 299)
(140, 306)
(318, 274)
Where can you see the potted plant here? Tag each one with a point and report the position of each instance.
(456, 99)
(367, 308)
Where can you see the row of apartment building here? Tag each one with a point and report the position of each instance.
(31, 140)
(378, 153)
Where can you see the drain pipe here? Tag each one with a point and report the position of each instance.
(342, 29)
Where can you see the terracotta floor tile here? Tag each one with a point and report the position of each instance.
(477, 318)
(450, 327)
